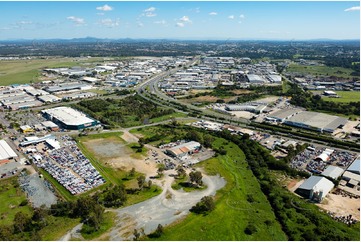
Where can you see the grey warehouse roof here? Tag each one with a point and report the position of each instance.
(284, 113)
(333, 172)
(355, 166)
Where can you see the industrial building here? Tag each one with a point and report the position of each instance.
(333, 171)
(184, 149)
(315, 188)
(308, 120)
(250, 107)
(255, 79)
(6, 152)
(64, 87)
(352, 174)
(69, 118)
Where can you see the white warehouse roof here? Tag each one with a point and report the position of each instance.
(333, 172)
(317, 184)
(68, 116)
(6, 151)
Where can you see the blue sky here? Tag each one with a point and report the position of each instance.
(181, 20)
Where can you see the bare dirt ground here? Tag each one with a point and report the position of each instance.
(163, 209)
(341, 206)
(243, 114)
(268, 99)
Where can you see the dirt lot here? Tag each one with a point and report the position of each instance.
(341, 206)
(210, 99)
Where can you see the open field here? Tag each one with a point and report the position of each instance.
(321, 70)
(10, 198)
(207, 99)
(57, 227)
(26, 71)
(344, 97)
(238, 204)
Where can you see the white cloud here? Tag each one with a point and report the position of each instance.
(213, 13)
(356, 8)
(76, 20)
(105, 8)
(110, 23)
(100, 14)
(149, 12)
(162, 22)
(242, 16)
(151, 9)
(185, 19)
(140, 24)
(231, 16)
(179, 24)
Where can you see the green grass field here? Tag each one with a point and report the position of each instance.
(10, 198)
(26, 71)
(321, 70)
(57, 227)
(345, 97)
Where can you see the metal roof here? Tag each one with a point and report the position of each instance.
(317, 183)
(6, 151)
(355, 166)
(68, 116)
(333, 172)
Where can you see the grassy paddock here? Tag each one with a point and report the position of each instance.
(57, 227)
(11, 196)
(107, 224)
(321, 70)
(345, 97)
(26, 71)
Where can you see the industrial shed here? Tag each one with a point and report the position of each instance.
(333, 171)
(315, 188)
(69, 118)
(184, 149)
(355, 166)
(6, 152)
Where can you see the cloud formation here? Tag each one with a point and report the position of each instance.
(213, 13)
(105, 8)
(110, 23)
(179, 24)
(185, 19)
(76, 20)
(150, 12)
(231, 16)
(356, 8)
(242, 16)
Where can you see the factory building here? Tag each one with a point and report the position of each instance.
(184, 149)
(69, 118)
(6, 152)
(315, 188)
(352, 174)
(308, 120)
(250, 107)
(255, 79)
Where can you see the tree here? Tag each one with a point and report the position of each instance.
(158, 232)
(141, 142)
(205, 205)
(136, 234)
(150, 183)
(196, 177)
(180, 171)
(132, 172)
(160, 170)
(141, 181)
(21, 222)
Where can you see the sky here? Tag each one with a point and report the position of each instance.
(198, 20)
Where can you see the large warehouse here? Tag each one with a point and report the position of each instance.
(309, 120)
(315, 188)
(69, 118)
(6, 152)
